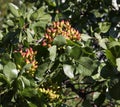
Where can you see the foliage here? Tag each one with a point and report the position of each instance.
(3, 9)
(56, 53)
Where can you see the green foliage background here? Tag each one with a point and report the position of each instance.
(84, 73)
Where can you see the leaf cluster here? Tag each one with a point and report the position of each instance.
(80, 73)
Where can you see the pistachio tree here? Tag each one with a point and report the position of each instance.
(60, 53)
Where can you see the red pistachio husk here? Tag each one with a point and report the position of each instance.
(60, 28)
(29, 57)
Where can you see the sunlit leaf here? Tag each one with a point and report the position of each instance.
(96, 95)
(10, 71)
(113, 44)
(102, 41)
(52, 50)
(118, 64)
(110, 56)
(14, 9)
(10, 22)
(29, 36)
(1, 35)
(104, 26)
(85, 37)
(68, 70)
(51, 2)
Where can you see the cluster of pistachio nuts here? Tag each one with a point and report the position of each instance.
(60, 28)
(29, 56)
(52, 94)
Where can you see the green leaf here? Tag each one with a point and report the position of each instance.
(71, 43)
(110, 56)
(29, 36)
(104, 26)
(5, 58)
(74, 52)
(37, 14)
(102, 41)
(10, 71)
(14, 9)
(20, 37)
(27, 67)
(29, 92)
(3, 79)
(31, 104)
(59, 40)
(100, 99)
(59, 16)
(10, 22)
(52, 50)
(68, 70)
(86, 66)
(97, 13)
(113, 44)
(41, 24)
(41, 71)
(19, 60)
(51, 3)
(1, 67)
(96, 95)
(1, 35)
(118, 64)
(86, 103)
(62, 58)
(46, 18)
(114, 88)
(41, 15)
(20, 84)
(108, 71)
(21, 22)
(25, 81)
(85, 37)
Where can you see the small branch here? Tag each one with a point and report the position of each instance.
(81, 93)
(40, 40)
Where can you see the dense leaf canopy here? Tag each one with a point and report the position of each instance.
(60, 53)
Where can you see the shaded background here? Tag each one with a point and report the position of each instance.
(3, 8)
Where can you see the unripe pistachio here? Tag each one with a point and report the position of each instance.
(62, 23)
(53, 35)
(54, 24)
